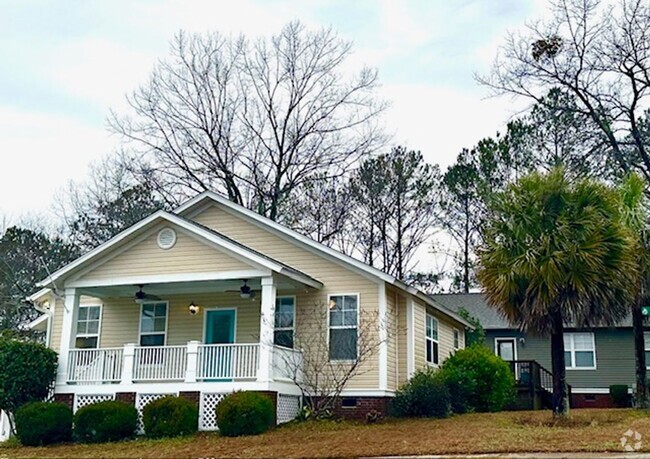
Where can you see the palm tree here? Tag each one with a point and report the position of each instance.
(635, 216)
(558, 252)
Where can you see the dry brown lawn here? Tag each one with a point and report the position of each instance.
(586, 431)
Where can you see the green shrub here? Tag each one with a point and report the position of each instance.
(478, 380)
(170, 417)
(620, 396)
(245, 413)
(425, 394)
(41, 423)
(105, 421)
(27, 372)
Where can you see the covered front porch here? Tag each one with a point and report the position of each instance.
(189, 332)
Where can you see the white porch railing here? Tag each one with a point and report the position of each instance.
(227, 361)
(190, 363)
(95, 365)
(287, 364)
(159, 363)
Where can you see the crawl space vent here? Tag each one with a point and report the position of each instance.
(166, 238)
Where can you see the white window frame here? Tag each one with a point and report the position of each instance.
(571, 350)
(342, 327)
(141, 334)
(293, 327)
(99, 325)
(428, 339)
(455, 334)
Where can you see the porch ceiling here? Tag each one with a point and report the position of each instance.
(179, 288)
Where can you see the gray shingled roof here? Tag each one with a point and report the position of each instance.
(490, 318)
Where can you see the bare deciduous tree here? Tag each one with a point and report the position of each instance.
(321, 210)
(396, 202)
(599, 52)
(327, 361)
(110, 201)
(253, 119)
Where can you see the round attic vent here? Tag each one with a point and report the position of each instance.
(166, 238)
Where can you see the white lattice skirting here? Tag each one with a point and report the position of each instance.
(288, 407)
(88, 399)
(207, 414)
(143, 400)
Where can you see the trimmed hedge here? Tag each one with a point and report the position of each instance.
(27, 372)
(42, 423)
(478, 380)
(245, 413)
(424, 395)
(620, 396)
(170, 416)
(105, 421)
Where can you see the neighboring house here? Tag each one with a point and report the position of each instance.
(596, 357)
(117, 340)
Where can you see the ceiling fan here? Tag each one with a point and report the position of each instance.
(245, 291)
(142, 297)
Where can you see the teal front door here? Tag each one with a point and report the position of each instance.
(219, 329)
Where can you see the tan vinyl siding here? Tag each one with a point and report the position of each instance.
(402, 341)
(419, 331)
(187, 256)
(337, 278)
(121, 318)
(57, 324)
(392, 333)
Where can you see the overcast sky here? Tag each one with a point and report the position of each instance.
(63, 64)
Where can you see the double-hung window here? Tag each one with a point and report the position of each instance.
(456, 339)
(285, 316)
(580, 351)
(87, 334)
(343, 325)
(432, 340)
(153, 324)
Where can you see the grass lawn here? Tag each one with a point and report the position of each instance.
(586, 430)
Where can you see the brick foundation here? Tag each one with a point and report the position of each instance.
(68, 399)
(591, 401)
(358, 407)
(126, 397)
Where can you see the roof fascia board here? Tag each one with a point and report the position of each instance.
(431, 302)
(168, 278)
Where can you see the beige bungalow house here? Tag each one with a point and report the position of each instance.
(206, 300)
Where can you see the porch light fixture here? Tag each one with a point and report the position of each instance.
(193, 308)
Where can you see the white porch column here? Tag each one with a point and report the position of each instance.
(267, 322)
(128, 361)
(70, 310)
(410, 337)
(192, 361)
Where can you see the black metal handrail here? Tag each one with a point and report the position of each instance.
(530, 374)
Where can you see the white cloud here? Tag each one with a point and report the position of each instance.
(440, 121)
(40, 153)
(419, 47)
